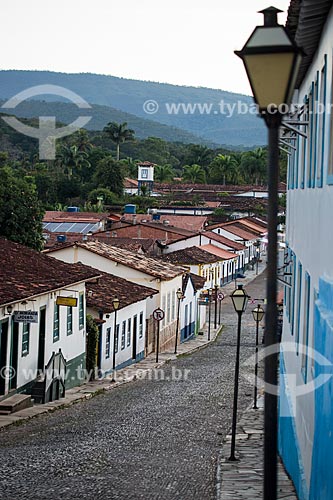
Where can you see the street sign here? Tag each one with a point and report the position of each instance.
(158, 314)
(220, 296)
(66, 301)
(26, 316)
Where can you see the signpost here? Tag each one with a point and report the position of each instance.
(26, 316)
(158, 315)
(66, 301)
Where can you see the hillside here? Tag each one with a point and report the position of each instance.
(101, 115)
(129, 96)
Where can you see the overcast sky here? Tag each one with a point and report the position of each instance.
(186, 42)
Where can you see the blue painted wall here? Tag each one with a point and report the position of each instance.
(321, 483)
(287, 439)
(321, 486)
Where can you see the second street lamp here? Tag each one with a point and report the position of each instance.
(258, 314)
(115, 304)
(272, 61)
(239, 299)
(180, 296)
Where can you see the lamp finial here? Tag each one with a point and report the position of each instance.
(270, 16)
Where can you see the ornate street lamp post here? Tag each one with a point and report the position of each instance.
(258, 314)
(115, 304)
(239, 299)
(272, 61)
(180, 296)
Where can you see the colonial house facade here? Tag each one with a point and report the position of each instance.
(42, 311)
(306, 404)
(122, 330)
(146, 271)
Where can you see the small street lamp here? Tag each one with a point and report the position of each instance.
(180, 296)
(256, 244)
(215, 299)
(272, 61)
(115, 304)
(239, 299)
(258, 314)
(209, 311)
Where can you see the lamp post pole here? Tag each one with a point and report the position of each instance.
(239, 299)
(258, 314)
(234, 413)
(255, 407)
(179, 294)
(271, 362)
(215, 311)
(115, 307)
(209, 312)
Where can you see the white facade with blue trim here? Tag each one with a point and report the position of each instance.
(306, 360)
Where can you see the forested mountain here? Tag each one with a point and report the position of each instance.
(101, 115)
(207, 117)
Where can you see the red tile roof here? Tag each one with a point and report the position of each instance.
(241, 233)
(148, 265)
(223, 254)
(26, 273)
(235, 245)
(188, 222)
(192, 255)
(101, 294)
(55, 216)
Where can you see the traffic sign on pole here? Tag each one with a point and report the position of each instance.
(158, 314)
(220, 296)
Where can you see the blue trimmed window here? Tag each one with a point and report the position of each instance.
(298, 304)
(129, 331)
(25, 339)
(123, 335)
(330, 158)
(322, 124)
(305, 142)
(310, 138)
(69, 320)
(117, 339)
(141, 325)
(81, 311)
(56, 323)
(306, 311)
(107, 343)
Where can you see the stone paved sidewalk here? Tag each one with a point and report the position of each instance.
(243, 480)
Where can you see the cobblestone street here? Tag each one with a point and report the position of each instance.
(149, 439)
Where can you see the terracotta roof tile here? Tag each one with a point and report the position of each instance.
(100, 295)
(224, 254)
(148, 265)
(25, 272)
(192, 255)
(235, 245)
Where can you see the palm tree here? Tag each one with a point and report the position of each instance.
(195, 174)
(163, 173)
(253, 164)
(73, 159)
(225, 169)
(118, 133)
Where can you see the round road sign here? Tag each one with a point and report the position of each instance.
(158, 314)
(220, 296)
